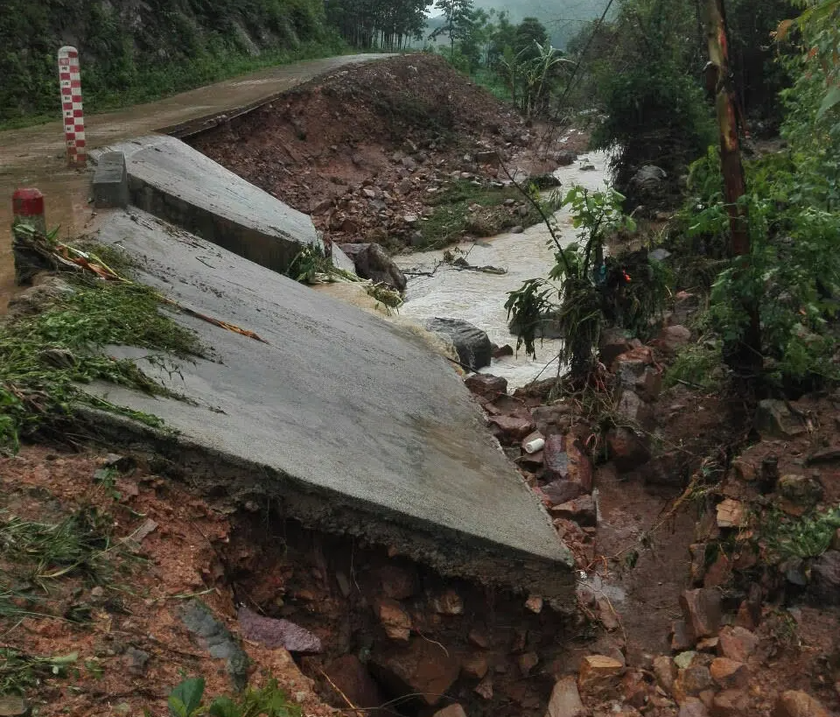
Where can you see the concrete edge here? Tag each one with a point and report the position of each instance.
(247, 242)
(199, 125)
(216, 473)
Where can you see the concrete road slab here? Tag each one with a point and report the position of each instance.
(351, 422)
(178, 184)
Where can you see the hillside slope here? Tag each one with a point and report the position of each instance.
(132, 50)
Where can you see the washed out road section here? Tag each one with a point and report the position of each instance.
(354, 423)
(35, 156)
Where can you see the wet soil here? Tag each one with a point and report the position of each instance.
(368, 149)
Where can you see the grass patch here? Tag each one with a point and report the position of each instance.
(490, 81)
(47, 551)
(806, 537)
(44, 359)
(33, 556)
(456, 215)
(698, 366)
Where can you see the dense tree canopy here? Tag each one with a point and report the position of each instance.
(389, 24)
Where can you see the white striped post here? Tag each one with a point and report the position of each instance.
(71, 104)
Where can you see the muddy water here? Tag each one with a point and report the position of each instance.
(480, 297)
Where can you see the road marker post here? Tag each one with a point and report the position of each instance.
(28, 219)
(70, 80)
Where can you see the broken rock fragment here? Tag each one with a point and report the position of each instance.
(730, 514)
(702, 612)
(729, 674)
(277, 633)
(421, 668)
(598, 674)
(795, 703)
(737, 643)
(454, 710)
(394, 619)
(485, 385)
(565, 699)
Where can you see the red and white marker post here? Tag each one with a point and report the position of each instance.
(71, 104)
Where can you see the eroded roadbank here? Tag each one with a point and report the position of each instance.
(34, 157)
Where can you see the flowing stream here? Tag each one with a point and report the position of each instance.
(480, 297)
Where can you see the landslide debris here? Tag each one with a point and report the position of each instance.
(403, 151)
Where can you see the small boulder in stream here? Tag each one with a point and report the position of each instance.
(470, 343)
(372, 262)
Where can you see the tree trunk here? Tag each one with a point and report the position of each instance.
(744, 358)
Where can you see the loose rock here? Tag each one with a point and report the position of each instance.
(483, 384)
(702, 611)
(773, 419)
(472, 345)
(394, 619)
(794, 703)
(627, 450)
(474, 666)
(737, 643)
(449, 603)
(516, 427)
(599, 673)
(825, 578)
(665, 671)
(729, 674)
(277, 633)
(691, 682)
(421, 668)
(452, 711)
(673, 338)
(693, 707)
(565, 699)
(731, 703)
(730, 514)
(485, 688)
(581, 510)
(372, 262)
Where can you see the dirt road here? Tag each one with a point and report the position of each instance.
(34, 157)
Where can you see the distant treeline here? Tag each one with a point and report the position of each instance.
(383, 24)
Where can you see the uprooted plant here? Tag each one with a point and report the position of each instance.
(313, 266)
(47, 357)
(584, 290)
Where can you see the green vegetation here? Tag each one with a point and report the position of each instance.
(792, 204)
(466, 209)
(378, 24)
(19, 670)
(46, 357)
(311, 266)
(590, 289)
(698, 366)
(514, 61)
(135, 53)
(806, 537)
(187, 700)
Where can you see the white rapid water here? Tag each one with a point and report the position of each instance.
(480, 298)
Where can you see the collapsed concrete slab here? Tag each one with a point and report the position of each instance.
(178, 184)
(350, 422)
